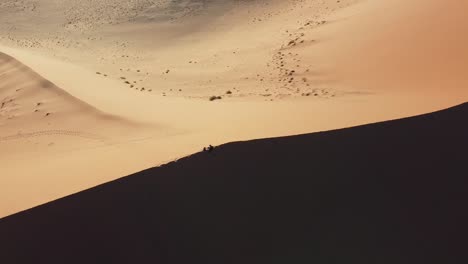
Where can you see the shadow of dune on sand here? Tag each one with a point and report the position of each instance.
(391, 192)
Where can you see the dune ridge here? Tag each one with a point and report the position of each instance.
(271, 68)
(32, 106)
(390, 192)
(40, 121)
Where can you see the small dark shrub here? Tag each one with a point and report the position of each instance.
(213, 98)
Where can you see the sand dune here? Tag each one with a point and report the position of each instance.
(391, 192)
(40, 123)
(130, 82)
(411, 48)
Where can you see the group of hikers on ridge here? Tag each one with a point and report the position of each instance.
(210, 148)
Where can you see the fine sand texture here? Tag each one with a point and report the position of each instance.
(390, 192)
(91, 91)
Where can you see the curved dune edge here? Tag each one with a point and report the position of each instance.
(41, 124)
(358, 194)
(33, 106)
(375, 68)
(103, 152)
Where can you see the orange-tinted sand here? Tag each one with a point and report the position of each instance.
(127, 83)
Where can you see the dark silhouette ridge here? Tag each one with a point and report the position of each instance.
(391, 192)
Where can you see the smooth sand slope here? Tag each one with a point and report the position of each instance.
(40, 123)
(31, 103)
(279, 67)
(391, 192)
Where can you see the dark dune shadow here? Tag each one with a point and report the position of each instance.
(392, 192)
